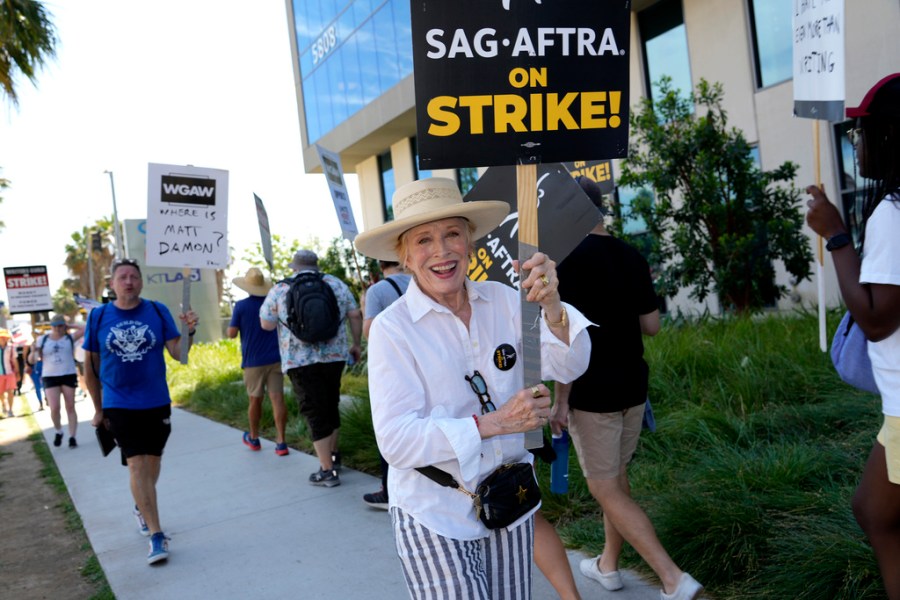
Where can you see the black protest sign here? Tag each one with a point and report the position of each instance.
(598, 170)
(501, 82)
(565, 216)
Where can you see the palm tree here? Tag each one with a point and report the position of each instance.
(77, 259)
(27, 41)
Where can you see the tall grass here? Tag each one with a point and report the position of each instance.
(748, 479)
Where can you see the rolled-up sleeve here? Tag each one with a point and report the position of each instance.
(561, 362)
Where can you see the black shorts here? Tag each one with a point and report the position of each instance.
(139, 432)
(318, 390)
(60, 380)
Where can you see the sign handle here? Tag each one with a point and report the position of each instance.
(820, 262)
(526, 200)
(185, 306)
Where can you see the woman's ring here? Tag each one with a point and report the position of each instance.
(544, 280)
(535, 391)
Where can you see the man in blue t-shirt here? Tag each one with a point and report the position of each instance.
(260, 359)
(125, 372)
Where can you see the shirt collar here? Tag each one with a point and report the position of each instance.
(419, 304)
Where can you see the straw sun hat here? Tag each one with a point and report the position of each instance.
(425, 201)
(253, 282)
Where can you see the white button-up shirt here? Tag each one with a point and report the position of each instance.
(422, 406)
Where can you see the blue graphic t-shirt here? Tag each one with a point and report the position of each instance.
(131, 344)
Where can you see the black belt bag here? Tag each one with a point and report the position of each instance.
(502, 498)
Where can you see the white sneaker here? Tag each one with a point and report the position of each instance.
(688, 589)
(590, 568)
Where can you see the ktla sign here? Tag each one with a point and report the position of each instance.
(501, 84)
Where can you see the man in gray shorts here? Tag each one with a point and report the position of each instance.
(604, 408)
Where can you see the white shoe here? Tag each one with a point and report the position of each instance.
(688, 589)
(590, 568)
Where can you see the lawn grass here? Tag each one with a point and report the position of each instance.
(747, 480)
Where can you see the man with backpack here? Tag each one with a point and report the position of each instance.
(309, 310)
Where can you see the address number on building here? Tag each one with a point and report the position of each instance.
(325, 44)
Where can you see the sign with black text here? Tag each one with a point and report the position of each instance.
(819, 59)
(334, 175)
(565, 216)
(187, 217)
(265, 234)
(525, 82)
(598, 170)
(27, 289)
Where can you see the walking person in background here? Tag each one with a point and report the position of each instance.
(604, 408)
(59, 375)
(445, 381)
(8, 372)
(126, 376)
(260, 360)
(870, 287)
(315, 367)
(34, 367)
(379, 296)
(21, 348)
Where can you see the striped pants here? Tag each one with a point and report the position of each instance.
(497, 567)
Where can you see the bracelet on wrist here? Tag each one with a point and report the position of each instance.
(563, 319)
(192, 332)
(838, 241)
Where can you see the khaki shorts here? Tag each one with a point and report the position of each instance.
(267, 377)
(605, 442)
(889, 437)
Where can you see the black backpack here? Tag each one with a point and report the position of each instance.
(313, 314)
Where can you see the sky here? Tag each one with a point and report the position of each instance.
(207, 83)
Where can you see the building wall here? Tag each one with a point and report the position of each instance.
(720, 45)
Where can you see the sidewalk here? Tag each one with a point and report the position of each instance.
(246, 524)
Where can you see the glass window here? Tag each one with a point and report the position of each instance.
(386, 48)
(665, 46)
(757, 159)
(350, 52)
(353, 86)
(386, 167)
(851, 182)
(770, 22)
(632, 224)
(467, 176)
(335, 69)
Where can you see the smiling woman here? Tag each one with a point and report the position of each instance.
(443, 402)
